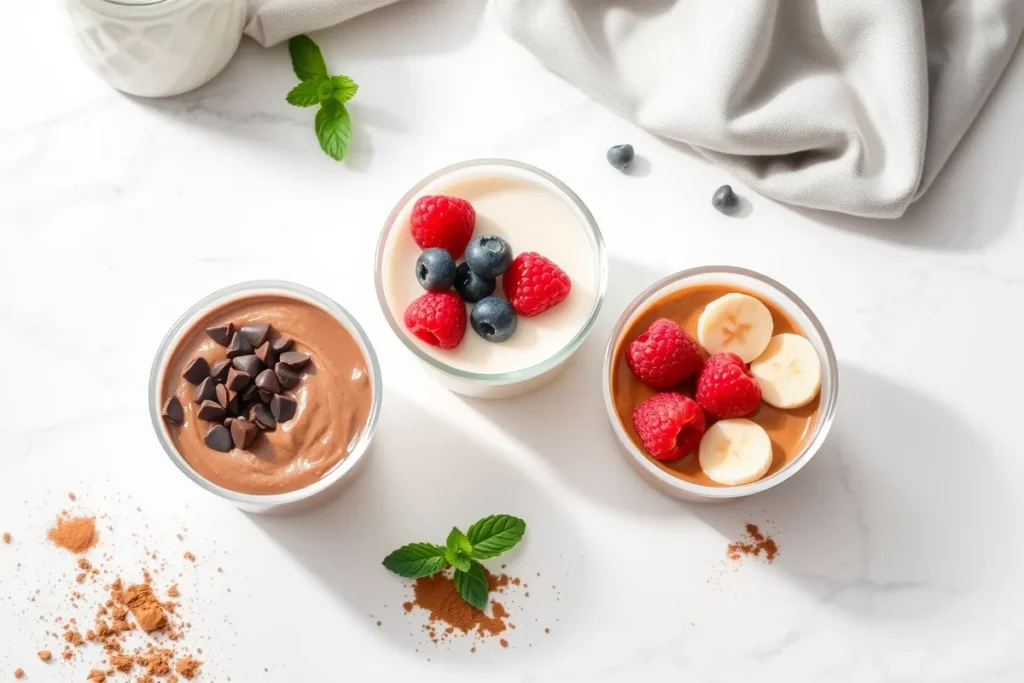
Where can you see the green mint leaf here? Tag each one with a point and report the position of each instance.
(307, 93)
(333, 129)
(457, 546)
(344, 88)
(461, 562)
(307, 60)
(472, 585)
(416, 560)
(493, 535)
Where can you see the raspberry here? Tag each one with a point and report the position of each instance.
(670, 425)
(664, 355)
(533, 284)
(726, 388)
(445, 222)
(438, 318)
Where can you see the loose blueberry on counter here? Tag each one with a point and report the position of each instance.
(488, 256)
(494, 319)
(435, 270)
(470, 286)
(725, 200)
(620, 156)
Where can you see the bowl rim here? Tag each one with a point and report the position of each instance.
(238, 291)
(522, 374)
(826, 413)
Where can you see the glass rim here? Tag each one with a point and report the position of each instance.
(239, 290)
(512, 376)
(826, 413)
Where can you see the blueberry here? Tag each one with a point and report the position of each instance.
(725, 200)
(620, 156)
(435, 270)
(489, 256)
(493, 318)
(470, 286)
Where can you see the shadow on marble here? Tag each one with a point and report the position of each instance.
(902, 511)
(419, 462)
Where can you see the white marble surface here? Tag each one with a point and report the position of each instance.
(901, 555)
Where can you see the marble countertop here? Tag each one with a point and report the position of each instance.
(900, 542)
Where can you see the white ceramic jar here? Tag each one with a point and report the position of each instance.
(157, 48)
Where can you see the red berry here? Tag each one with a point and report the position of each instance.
(438, 318)
(445, 222)
(726, 388)
(670, 425)
(533, 284)
(664, 355)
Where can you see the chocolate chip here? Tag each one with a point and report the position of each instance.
(172, 411)
(243, 433)
(281, 344)
(249, 364)
(266, 396)
(219, 371)
(294, 359)
(266, 355)
(283, 407)
(206, 391)
(263, 418)
(221, 333)
(237, 379)
(222, 396)
(267, 381)
(228, 421)
(288, 378)
(256, 333)
(234, 406)
(219, 438)
(251, 393)
(211, 411)
(239, 346)
(197, 370)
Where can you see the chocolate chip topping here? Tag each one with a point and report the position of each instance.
(251, 393)
(294, 359)
(281, 344)
(266, 355)
(237, 379)
(221, 333)
(234, 406)
(256, 333)
(288, 378)
(197, 370)
(172, 411)
(206, 391)
(267, 381)
(219, 438)
(249, 364)
(222, 396)
(219, 371)
(239, 346)
(263, 418)
(265, 396)
(211, 411)
(243, 433)
(283, 407)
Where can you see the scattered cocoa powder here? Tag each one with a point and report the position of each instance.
(148, 611)
(190, 557)
(97, 676)
(504, 643)
(753, 543)
(438, 596)
(76, 534)
(18, 673)
(45, 655)
(173, 591)
(72, 496)
(187, 667)
(7, 537)
(122, 663)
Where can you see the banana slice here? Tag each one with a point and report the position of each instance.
(789, 371)
(735, 452)
(737, 323)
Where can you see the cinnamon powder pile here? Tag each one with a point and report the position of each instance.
(76, 534)
(753, 544)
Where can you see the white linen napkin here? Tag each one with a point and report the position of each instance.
(271, 21)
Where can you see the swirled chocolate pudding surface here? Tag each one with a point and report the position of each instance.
(332, 396)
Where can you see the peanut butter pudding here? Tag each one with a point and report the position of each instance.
(715, 385)
(265, 393)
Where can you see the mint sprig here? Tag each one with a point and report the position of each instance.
(333, 125)
(486, 538)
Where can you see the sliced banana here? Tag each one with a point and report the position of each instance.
(737, 323)
(735, 452)
(789, 371)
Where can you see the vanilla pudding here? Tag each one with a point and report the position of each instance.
(533, 212)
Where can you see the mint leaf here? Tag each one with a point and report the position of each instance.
(458, 549)
(333, 129)
(344, 88)
(472, 585)
(416, 560)
(493, 535)
(460, 562)
(306, 94)
(307, 60)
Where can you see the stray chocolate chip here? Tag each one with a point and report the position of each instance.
(283, 407)
(211, 411)
(266, 396)
(249, 364)
(266, 355)
(237, 379)
(221, 333)
(251, 393)
(263, 418)
(294, 359)
(206, 391)
(234, 406)
(219, 438)
(281, 344)
(219, 371)
(267, 381)
(197, 370)
(239, 346)
(288, 378)
(243, 433)
(222, 396)
(172, 411)
(256, 333)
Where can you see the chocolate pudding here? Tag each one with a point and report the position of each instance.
(331, 391)
(789, 430)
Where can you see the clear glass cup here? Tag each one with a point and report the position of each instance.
(501, 384)
(277, 502)
(792, 306)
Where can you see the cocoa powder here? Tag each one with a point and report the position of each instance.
(7, 537)
(148, 611)
(753, 544)
(76, 534)
(187, 667)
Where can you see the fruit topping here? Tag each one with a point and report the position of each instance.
(493, 318)
(488, 256)
(670, 425)
(472, 287)
(445, 222)
(789, 371)
(725, 387)
(437, 318)
(435, 270)
(534, 284)
(735, 452)
(664, 355)
(737, 323)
